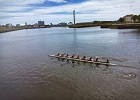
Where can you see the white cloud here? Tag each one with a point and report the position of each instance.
(25, 2)
(85, 11)
(58, 1)
(13, 8)
(19, 2)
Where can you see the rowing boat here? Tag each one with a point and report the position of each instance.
(87, 61)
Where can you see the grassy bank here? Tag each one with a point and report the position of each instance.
(8, 29)
(107, 24)
(82, 25)
(122, 26)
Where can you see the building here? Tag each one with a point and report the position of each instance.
(51, 24)
(128, 18)
(25, 23)
(41, 23)
(9, 25)
(70, 23)
(35, 25)
(17, 25)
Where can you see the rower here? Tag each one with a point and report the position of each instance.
(107, 61)
(97, 59)
(63, 55)
(58, 54)
(90, 59)
(78, 57)
(67, 55)
(73, 56)
(84, 58)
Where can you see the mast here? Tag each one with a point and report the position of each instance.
(74, 17)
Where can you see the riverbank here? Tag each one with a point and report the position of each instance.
(83, 25)
(122, 26)
(9, 29)
(80, 25)
(108, 25)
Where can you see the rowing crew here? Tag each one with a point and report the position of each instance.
(78, 57)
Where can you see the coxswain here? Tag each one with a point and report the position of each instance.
(107, 61)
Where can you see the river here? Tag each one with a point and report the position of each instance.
(28, 73)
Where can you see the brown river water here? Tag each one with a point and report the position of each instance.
(28, 73)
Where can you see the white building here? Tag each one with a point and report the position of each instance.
(17, 25)
(35, 25)
(41, 23)
(128, 18)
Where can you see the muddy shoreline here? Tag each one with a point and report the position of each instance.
(5, 29)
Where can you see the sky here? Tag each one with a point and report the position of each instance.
(56, 11)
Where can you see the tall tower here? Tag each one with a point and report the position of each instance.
(74, 17)
(25, 23)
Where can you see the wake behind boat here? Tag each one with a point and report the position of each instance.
(82, 60)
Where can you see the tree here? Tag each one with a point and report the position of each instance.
(138, 17)
(121, 19)
(134, 18)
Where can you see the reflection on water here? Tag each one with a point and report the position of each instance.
(131, 31)
(28, 73)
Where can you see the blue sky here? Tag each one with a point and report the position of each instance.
(55, 11)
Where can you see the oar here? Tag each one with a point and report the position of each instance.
(63, 64)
